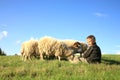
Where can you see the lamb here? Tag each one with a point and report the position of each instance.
(29, 49)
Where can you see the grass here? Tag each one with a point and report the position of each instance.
(13, 68)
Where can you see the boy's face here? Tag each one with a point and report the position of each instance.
(90, 41)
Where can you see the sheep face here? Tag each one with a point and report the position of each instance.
(77, 47)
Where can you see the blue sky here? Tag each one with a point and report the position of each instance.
(21, 20)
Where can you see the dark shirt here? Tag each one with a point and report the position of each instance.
(93, 54)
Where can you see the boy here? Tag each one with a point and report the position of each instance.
(93, 53)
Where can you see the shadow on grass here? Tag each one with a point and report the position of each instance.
(110, 62)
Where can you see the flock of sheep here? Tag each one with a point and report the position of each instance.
(49, 47)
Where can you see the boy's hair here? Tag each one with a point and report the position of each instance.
(92, 37)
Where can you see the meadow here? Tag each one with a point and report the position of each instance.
(13, 68)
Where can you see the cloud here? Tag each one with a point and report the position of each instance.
(18, 42)
(32, 38)
(99, 14)
(118, 53)
(3, 34)
(104, 53)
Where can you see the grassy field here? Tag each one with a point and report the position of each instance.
(13, 68)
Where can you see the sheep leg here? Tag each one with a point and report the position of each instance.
(59, 58)
(41, 56)
(25, 58)
(21, 58)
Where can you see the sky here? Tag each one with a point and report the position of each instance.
(21, 20)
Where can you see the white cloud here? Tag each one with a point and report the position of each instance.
(99, 14)
(3, 34)
(104, 53)
(32, 38)
(18, 42)
(118, 53)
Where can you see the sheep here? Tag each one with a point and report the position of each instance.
(45, 45)
(29, 49)
(84, 48)
(62, 51)
(76, 46)
(49, 46)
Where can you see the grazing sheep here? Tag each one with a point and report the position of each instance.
(45, 46)
(29, 49)
(74, 45)
(49, 46)
(62, 51)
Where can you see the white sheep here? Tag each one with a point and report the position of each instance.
(74, 45)
(49, 46)
(62, 51)
(45, 46)
(29, 49)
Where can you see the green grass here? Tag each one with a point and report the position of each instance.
(13, 68)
